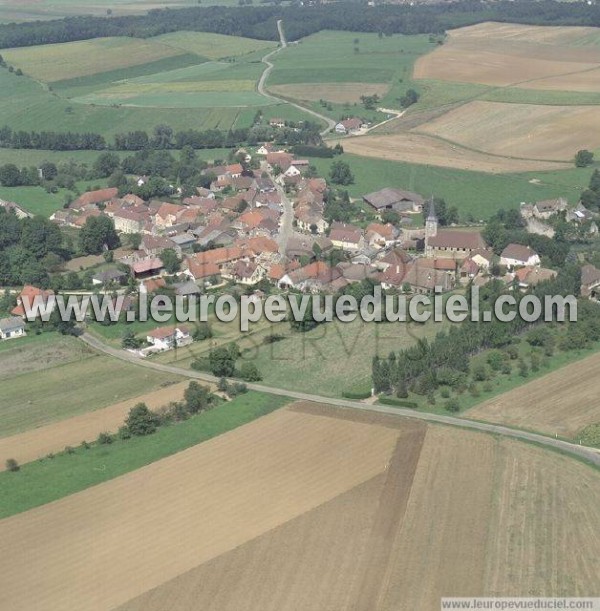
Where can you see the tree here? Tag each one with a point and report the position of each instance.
(170, 260)
(410, 97)
(130, 341)
(197, 398)
(12, 465)
(98, 233)
(141, 421)
(10, 176)
(250, 373)
(584, 158)
(340, 173)
(202, 331)
(221, 362)
(105, 165)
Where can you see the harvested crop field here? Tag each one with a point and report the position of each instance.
(502, 55)
(313, 507)
(340, 93)
(520, 130)
(427, 150)
(562, 402)
(54, 437)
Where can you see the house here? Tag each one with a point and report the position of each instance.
(313, 277)
(152, 285)
(309, 218)
(518, 255)
(276, 122)
(186, 289)
(12, 327)
(153, 245)
(129, 221)
(29, 296)
(346, 237)
(167, 215)
(531, 276)
(549, 207)
(282, 160)
(380, 236)
(397, 200)
(247, 273)
(200, 271)
(590, 282)
(349, 126)
(109, 276)
(12, 207)
(424, 279)
(166, 338)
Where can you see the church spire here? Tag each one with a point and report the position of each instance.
(431, 216)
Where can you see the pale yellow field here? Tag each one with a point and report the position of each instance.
(528, 56)
(423, 149)
(561, 403)
(68, 60)
(315, 508)
(520, 130)
(339, 93)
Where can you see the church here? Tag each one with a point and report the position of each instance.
(449, 243)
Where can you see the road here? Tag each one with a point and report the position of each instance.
(265, 75)
(286, 225)
(588, 454)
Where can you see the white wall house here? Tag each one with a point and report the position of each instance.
(517, 255)
(12, 327)
(166, 338)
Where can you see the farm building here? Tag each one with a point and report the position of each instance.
(517, 255)
(166, 338)
(397, 200)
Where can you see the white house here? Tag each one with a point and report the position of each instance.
(517, 255)
(12, 327)
(166, 338)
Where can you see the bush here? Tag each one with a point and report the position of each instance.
(105, 439)
(445, 393)
(12, 465)
(197, 398)
(496, 359)
(249, 372)
(69, 450)
(480, 373)
(85, 445)
(452, 405)
(124, 433)
(237, 388)
(356, 395)
(203, 331)
(223, 385)
(272, 338)
(393, 401)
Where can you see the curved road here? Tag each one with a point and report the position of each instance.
(588, 454)
(265, 75)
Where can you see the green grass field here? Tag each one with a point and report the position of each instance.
(474, 193)
(327, 360)
(330, 58)
(34, 399)
(51, 479)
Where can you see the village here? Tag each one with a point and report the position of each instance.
(262, 225)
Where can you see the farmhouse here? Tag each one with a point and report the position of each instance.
(396, 200)
(313, 277)
(380, 236)
(109, 276)
(129, 221)
(531, 276)
(166, 338)
(12, 327)
(517, 255)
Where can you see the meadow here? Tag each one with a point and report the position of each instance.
(69, 387)
(476, 194)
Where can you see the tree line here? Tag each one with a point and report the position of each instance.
(161, 137)
(301, 21)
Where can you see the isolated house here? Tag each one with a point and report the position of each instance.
(349, 126)
(549, 207)
(166, 338)
(517, 255)
(12, 327)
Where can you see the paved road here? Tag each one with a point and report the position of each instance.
(588, 454)
(265, 75)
